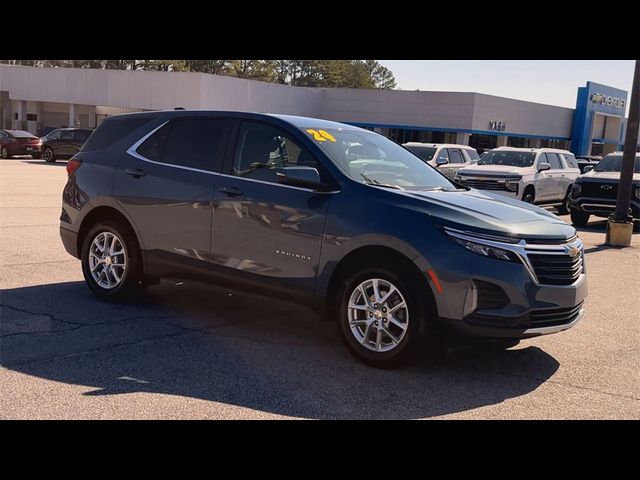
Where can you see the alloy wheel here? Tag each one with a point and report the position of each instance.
(48, 154)
(107, 260)
(378, 315)
(4, 153)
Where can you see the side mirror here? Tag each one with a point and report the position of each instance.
(544, 166)
(588, 168)
(304, 177)
(441, 161)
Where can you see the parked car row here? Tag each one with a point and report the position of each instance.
(60, 143)
(582, 186)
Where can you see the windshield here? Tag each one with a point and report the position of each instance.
(425, 153)
(509, 158)
(370, 158)
(613, 163)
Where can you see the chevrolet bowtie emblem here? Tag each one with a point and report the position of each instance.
(572, 250)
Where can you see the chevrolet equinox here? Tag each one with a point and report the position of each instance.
(321, 213)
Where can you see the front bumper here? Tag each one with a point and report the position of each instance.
(602, 207)
(487, 297)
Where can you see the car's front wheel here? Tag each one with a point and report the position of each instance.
(48, 155)
(380, 316)
(110, 261)
(579, 219)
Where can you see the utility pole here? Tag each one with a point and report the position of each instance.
(620, 225)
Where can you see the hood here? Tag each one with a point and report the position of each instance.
(593, 176)
(486, 212)
(497, 170)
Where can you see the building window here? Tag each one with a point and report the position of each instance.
(32, 117)
(519, 142)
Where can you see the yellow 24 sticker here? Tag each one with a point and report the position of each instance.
(321, 135)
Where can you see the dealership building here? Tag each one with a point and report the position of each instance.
(40, 99)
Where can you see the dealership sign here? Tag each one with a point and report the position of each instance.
(497, 126)
(607, 100)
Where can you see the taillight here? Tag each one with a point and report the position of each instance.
(73, 165)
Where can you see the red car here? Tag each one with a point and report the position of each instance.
(19, 142)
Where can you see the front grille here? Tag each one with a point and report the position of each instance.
(556, 269)
(608, 190)
(490, 296)
(483, 184)
(554, 316)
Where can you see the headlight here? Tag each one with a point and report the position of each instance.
(487, 251)
(457, 178)
(511, 185)
(577, 188)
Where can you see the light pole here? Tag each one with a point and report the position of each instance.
(620, 225)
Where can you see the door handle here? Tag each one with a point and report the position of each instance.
(135, 172)
(231, 191)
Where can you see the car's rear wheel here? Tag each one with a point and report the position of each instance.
(48, 155)
(579, 219)
(111, 261)
(380, 317)
(4, 153)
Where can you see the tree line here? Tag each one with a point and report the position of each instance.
(303, 73)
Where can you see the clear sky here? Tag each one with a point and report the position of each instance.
(554, 82)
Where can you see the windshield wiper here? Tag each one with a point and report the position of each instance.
(373, 181)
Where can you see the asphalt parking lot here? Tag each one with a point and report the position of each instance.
(192, 351)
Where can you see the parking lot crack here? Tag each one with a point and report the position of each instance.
(96, 350)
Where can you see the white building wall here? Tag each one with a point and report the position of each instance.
(133, 90)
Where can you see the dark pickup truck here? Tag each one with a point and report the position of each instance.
(595, 192)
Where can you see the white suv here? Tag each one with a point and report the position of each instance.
(447, 157)
(533, 175)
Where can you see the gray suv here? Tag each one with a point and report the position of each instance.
(322, 213)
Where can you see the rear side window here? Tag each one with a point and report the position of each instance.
(553, 160)
(194, 143)
(66, 135)
(455, 156)
(113, 130)
(80, 136)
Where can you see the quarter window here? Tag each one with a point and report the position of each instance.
(262, 148)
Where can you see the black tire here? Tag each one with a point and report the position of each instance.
(131, 284)
(417, 310)
(49, 155)
(36, 156)
(579, 219)
(529, 195)
(564, 209)
(4, 153)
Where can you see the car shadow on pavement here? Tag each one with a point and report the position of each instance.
(194, 341)
(57, 163)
